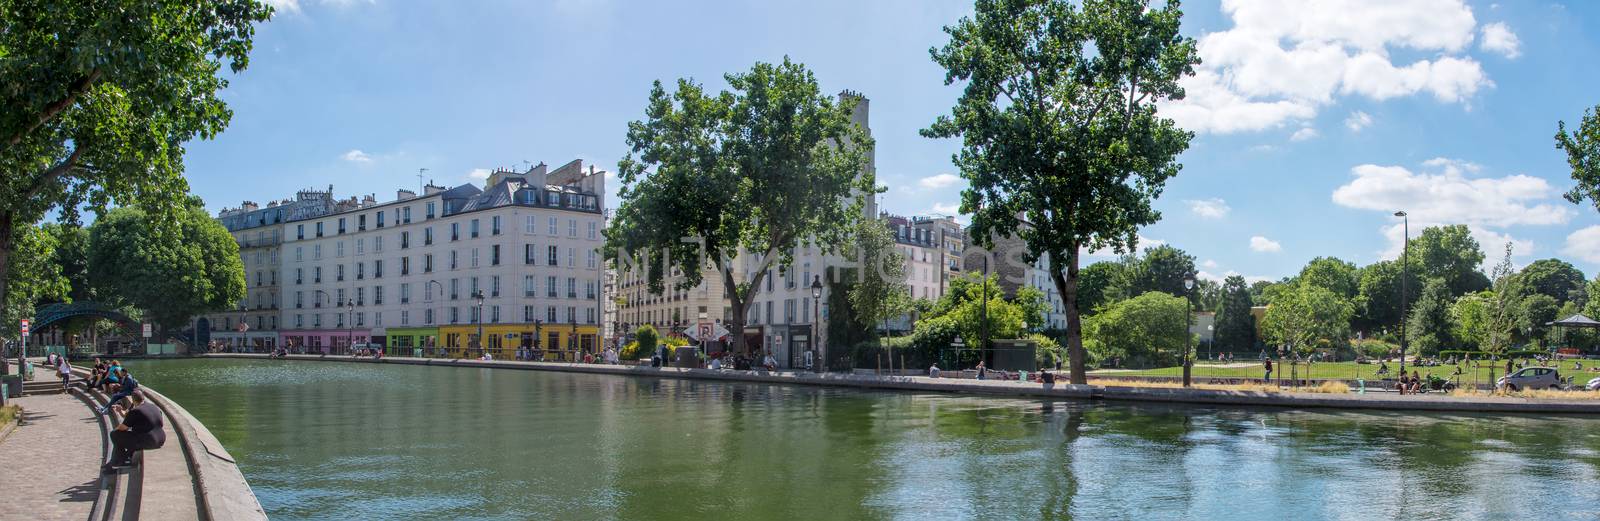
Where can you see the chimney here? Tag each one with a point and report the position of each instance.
(403, 194)
(430, 189)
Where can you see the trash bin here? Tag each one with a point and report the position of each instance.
(13, 385)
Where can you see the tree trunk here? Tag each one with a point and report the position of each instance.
(1067, 286)
(740, 304)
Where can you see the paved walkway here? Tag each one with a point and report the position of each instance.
(51, 461)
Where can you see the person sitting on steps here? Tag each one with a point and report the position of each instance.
(140, 430)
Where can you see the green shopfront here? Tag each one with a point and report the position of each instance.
(410, 341)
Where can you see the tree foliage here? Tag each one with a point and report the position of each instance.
(171, 278)
(1236, 327)
(1582, 146)
(1307, 317)
(1099, 284)
(35, 277)
(98, 98)
(1145, 331)
(1162, 268)
(1061, 141)
(1450, 254)
(1554, 277)
(1340, 277)
(759, 169)
(1428, 325)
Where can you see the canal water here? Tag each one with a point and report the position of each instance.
(363, 441)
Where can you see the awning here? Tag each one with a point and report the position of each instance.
(1577, 320)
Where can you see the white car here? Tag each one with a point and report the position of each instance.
(1531, 378)
(1594, 385)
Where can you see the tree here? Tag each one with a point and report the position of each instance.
(35, 277)
(97, 99)
(71, 254)
(1236, 326)
(762, 169)
(1145, 331)
(1554, 277)
(1099, 284)
(1340, 277)
(1449, 253)
(1307, 317)
(1378, 294)
(1501, 307)
(170, 277)
(1470, 318)
(1582, 146)
(1429, 325)
(1533, 313)
(1163, 268)
(1062, 144)
(962, 309)
(879, 292)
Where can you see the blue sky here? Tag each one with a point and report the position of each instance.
(1315, 119)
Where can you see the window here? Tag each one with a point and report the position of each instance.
(593, 227)
(550, 287)
(474, 228)
(299, 299)
(554, 225)
(299, 320)
(299, 232)
(427, 316)
(299, 276)
(494, 225)
(572, 287)
(405, 215)
(569, 258)
(340, 301)
(494, 255)
(454, 256)
(361, 270)
(430, 210)
(299, 254)
(319, 228)
(377, 244)
(377, 295)
(550, 316)
(427, 236)
(474, 257)
(494, 286)
(474, 290)
(527, 254)
(527, 286)
(427, 263)
(455, 231)
(405, 317)
(554, 254)
(377, 269)
(494, 314)
(527, 313)
(380, 219)
(405, 293)
(316, 252)
(361, 223)
(572, 314)
(593, 259)
(405, 240)
(572, 227)
(455, 314)
(316, 274)
(529, 223)
(405, 266)
(588, 289)
(588, 314)
(341, 226)
(361, 246)
(455, 289)
(338, 249)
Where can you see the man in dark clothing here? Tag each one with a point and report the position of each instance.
(140, 430)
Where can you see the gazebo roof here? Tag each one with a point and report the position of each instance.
(1577, 320)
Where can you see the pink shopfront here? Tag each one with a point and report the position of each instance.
(324, 340)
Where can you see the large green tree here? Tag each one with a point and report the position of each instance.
(1144, 331)
(1428, 325)
(172, 276)
(1450, 254)
(879, 292)
(72, 255)
(758, 170)
(1340, 277)
(1236, 327)
(35, 276)
(1378, 295)
(98, 97)
(1061, 141)
(1556, 278)
(1308, 317)
(1582, 146)
(1099, 284)
(1162, 268)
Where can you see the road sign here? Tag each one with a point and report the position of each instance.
(25, 323)
(147, 331)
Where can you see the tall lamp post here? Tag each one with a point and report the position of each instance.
(816, 316)
(478, 317)
(1188, 314)
(1405, 273)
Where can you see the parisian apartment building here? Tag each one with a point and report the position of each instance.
(517, 258)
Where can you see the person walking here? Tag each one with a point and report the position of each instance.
(983, 372)
(64, 370)
(1267, 364)
(141, 429)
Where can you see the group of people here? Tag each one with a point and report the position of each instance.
(112, 378)
(141, 427)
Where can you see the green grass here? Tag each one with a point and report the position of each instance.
(8, 413)
(1344, 370)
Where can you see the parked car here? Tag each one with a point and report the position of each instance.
(1594, 385)
(1531, 378)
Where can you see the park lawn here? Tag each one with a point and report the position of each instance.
(1338, 370)
(8, 413)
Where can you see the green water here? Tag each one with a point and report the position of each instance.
(324, 440)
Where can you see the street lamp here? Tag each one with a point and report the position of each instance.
(479, 319)
(1188, 285)
(1405, 273)
(816, 310)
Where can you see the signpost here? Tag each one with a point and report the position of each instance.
(24, 329)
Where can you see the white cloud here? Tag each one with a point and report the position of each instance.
(1584, 244)
(1358, 120)
(947, 208)
(478, 173)
(1449, 196)
(356, 156)
(293, 6)
(1265, 245)
(939, 181)
(1206, 275)
(1212, 208)
(1210, 264)
(1303, 134)
(1491, 242)
(1283, 59)
(1498, 38)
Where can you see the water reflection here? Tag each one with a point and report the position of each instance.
(327, 440)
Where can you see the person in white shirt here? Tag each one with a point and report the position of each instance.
(769, 362)
(933, 371)
(716, 364)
